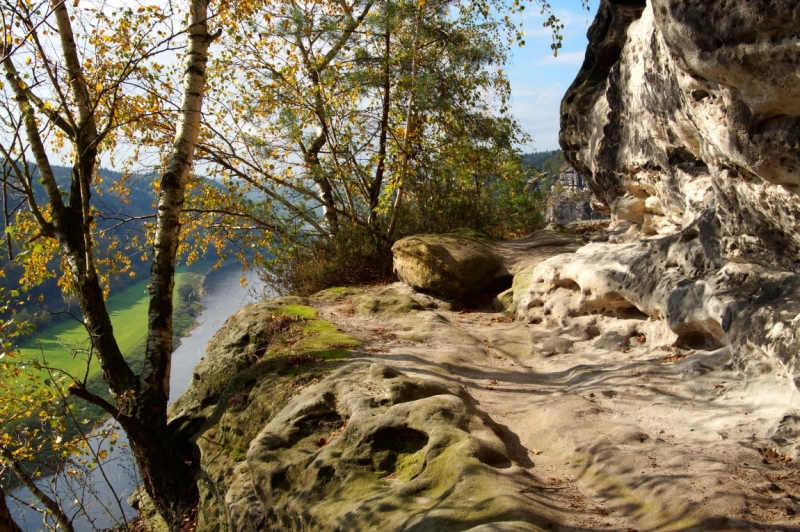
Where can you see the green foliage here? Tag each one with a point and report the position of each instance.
(548, 163)
(354, 256)
(297, 311)
(403, 102)
(505, 208)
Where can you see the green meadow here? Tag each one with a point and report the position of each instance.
(65, 346)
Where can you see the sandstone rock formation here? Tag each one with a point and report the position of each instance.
(295, 440)
(461, 264)
(371, 449)
(686, 120)
(593, 422)
(456, 264)
(570, 200)
(260, 358)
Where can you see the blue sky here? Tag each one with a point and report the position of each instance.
(539, 80)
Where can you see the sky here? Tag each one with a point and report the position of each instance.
(539, 80)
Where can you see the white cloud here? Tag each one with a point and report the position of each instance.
(537, 110)
(563, 58)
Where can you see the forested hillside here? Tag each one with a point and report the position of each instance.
(549, 162)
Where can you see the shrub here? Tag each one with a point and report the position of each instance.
(503, 207)
(353, 256)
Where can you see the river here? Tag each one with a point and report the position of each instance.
(223, 295)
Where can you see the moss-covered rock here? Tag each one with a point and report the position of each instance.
(251, 399)
(387, 303)
(337, 294)
(263, 355)
(369, 448)
(454, 264)
(279, 327)
(240, 342)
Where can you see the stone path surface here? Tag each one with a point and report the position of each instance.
(616, 432)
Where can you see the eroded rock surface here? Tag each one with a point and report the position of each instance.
(452, 420)
(686, 119)
(242, 340)
(370, 448)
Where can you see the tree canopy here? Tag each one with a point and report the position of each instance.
(310, 117)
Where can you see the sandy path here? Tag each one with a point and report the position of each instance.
(620, 434)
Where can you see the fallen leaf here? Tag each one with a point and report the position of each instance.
(772, 456)
(674, 358)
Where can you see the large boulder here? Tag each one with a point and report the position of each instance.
(465, 263)
(456, 265)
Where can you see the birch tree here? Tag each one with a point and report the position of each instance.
(77, 77)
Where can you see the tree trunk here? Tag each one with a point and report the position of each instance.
(141, 401)
(7, 524)
(375, 191)
(168, 478)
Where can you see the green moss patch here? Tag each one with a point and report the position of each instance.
(320, 335)
(409, 465)
(338, 293)
(312, 337)
(297, 311)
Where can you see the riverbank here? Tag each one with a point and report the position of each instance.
(220, 295)
(63, 352)
(65, 346)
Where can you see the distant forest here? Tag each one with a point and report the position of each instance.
(548, 163)
(122, 218)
